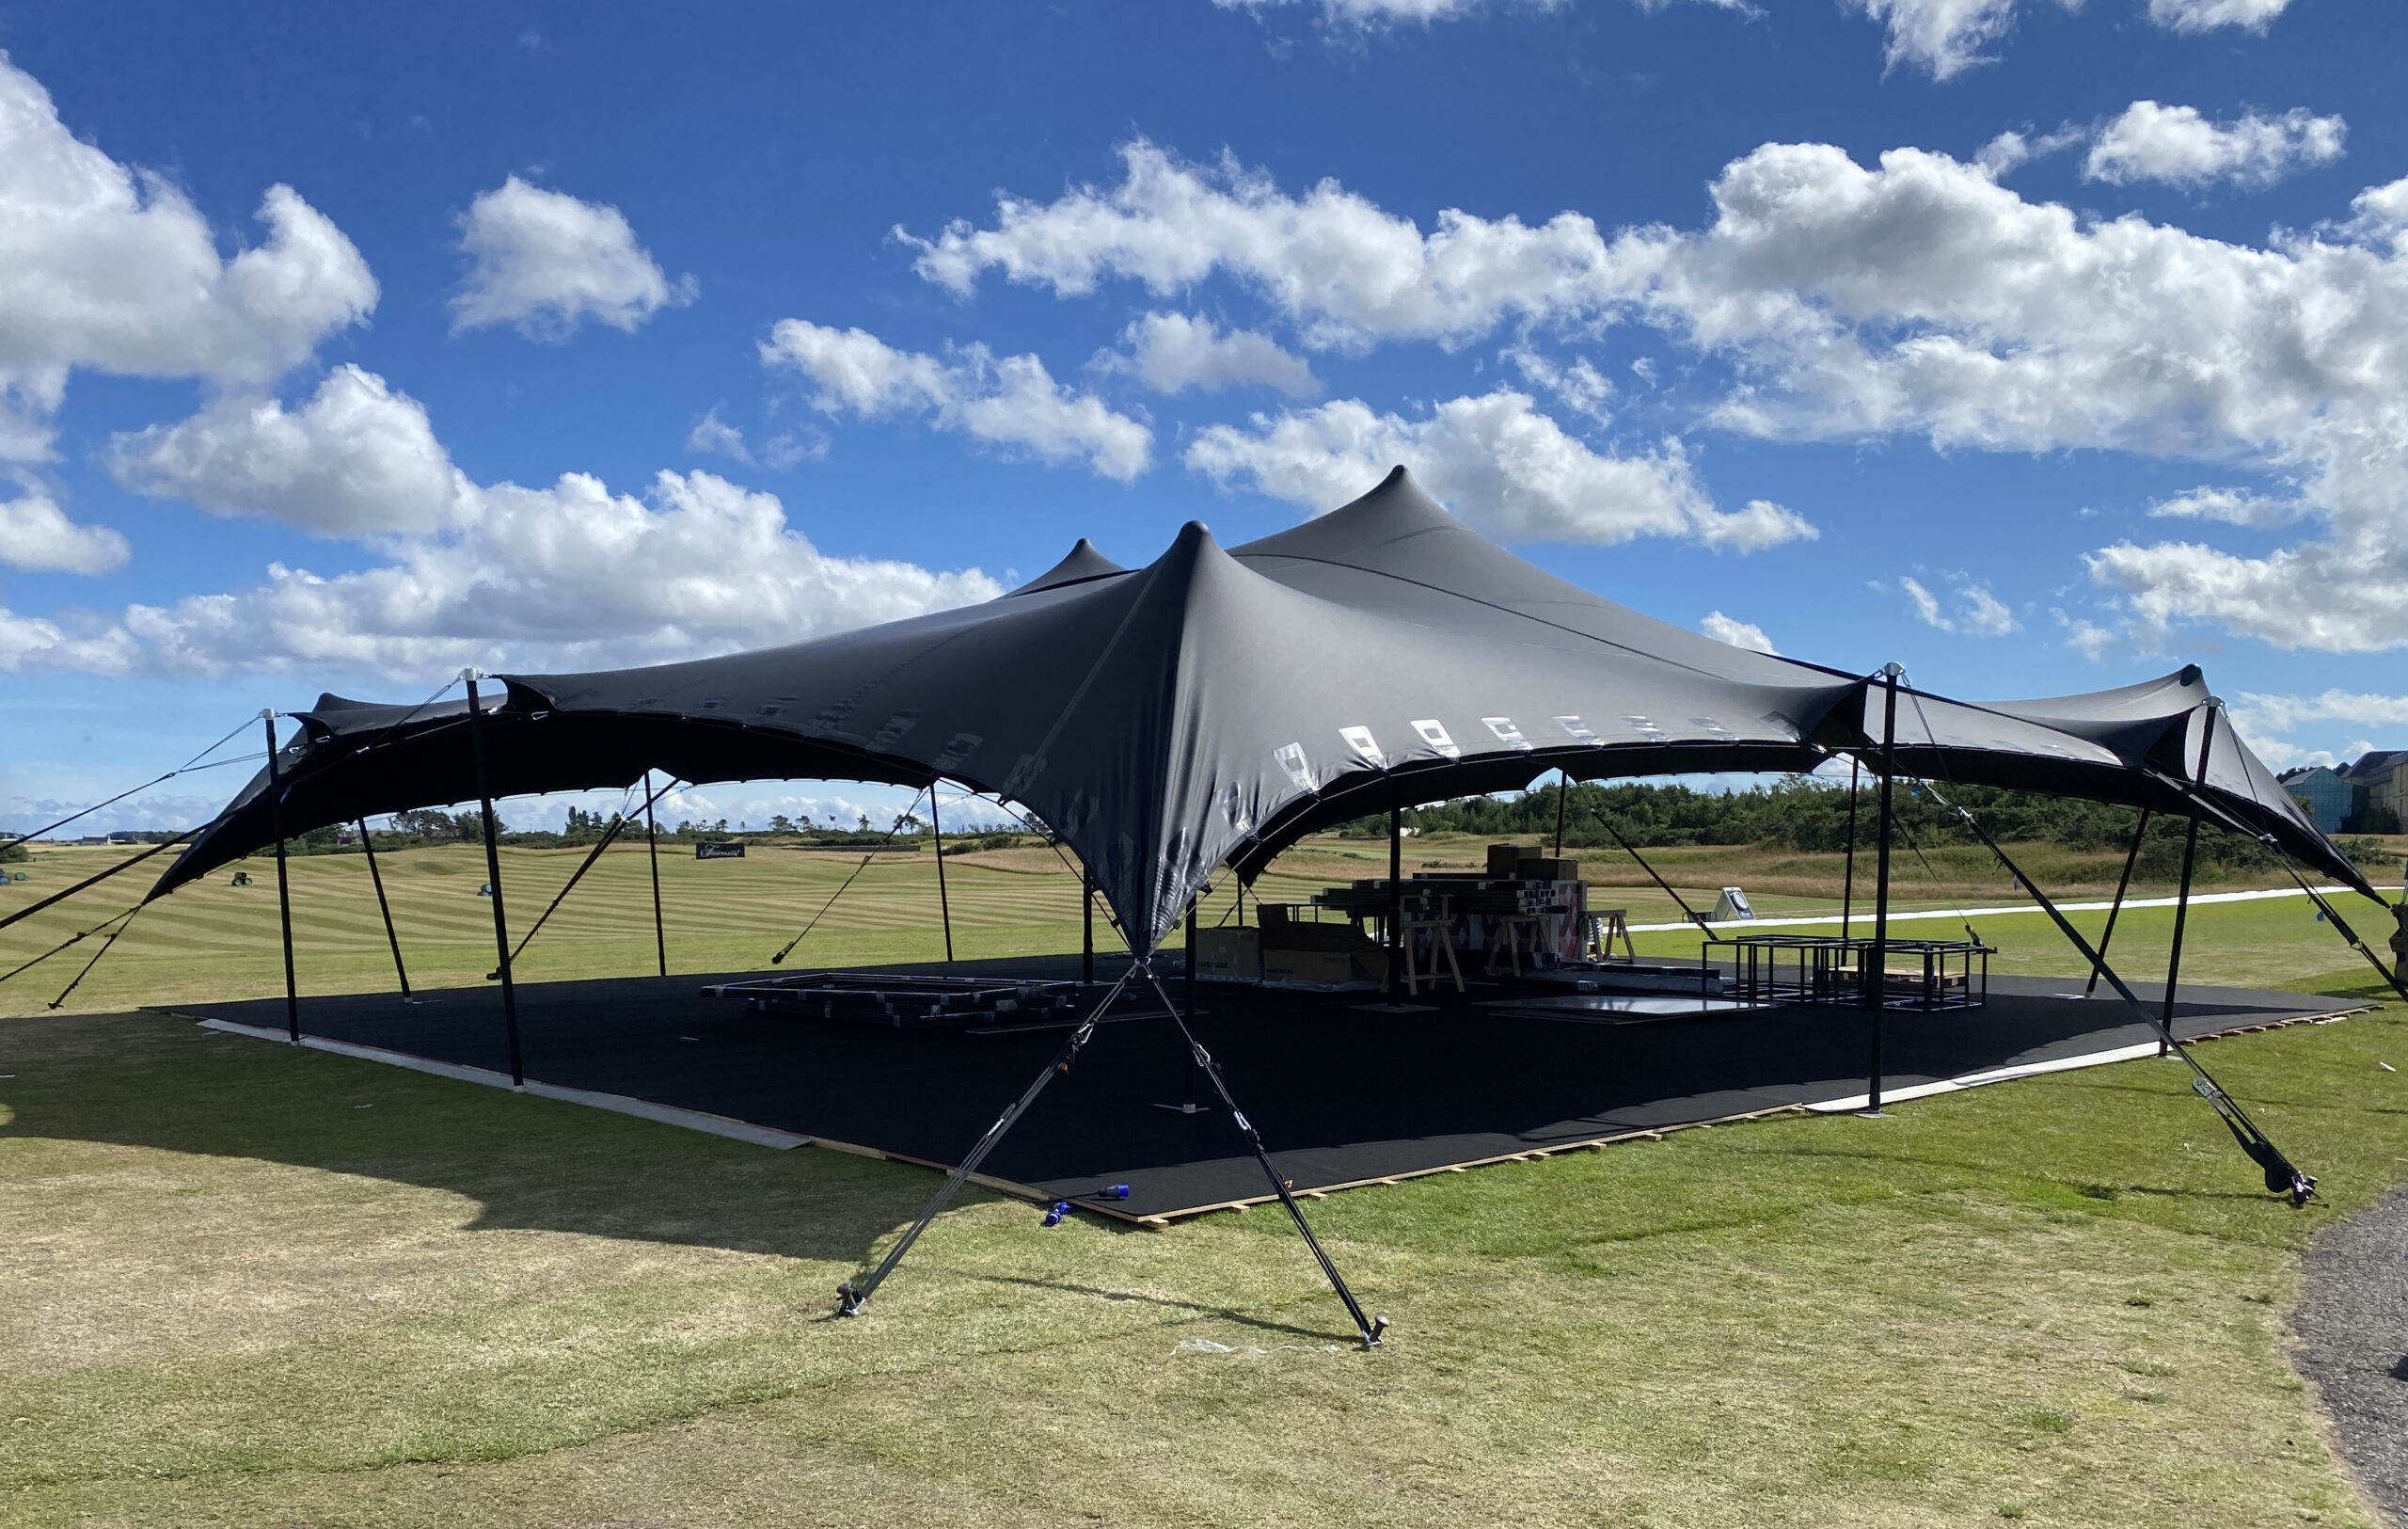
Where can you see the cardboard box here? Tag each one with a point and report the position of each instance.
(1230, 955)
(1506, 859)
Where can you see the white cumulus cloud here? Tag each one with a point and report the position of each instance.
(112, 269)
(1345, 270)
(356, 459)
(35, 533)
(538, 579)
(1171, 353)
(2179, 146)
(1497, 460)
(1010, 400)
(545, 262)
(1977, 612)
(1746, 634)
(2207, 15)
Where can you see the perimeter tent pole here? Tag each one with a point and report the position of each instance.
(1562, 799)
(1396, 899)
(2124, 884)
(945, 906)
(493, 879)
(283, 891)
(1877, 982)
(652, 849)
(2182, 898)
(385, 908)
(1847, 882)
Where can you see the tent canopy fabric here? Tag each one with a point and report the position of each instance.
(1217, 704)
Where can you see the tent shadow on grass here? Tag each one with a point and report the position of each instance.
(159, 1084)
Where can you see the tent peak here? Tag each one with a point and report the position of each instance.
(1081, 563)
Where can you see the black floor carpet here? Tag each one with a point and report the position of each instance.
(1340, 1094)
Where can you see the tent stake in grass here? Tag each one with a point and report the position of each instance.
(493, 878)
(2123, 885)
(283, 891)
(377, 877)
(652, 847)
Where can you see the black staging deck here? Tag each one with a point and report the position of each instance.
(1342, 1095)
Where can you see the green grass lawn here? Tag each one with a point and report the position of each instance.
(248, 1285)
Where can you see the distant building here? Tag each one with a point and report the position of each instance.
(2330, 797)
(2381, 780)
(2370, 794)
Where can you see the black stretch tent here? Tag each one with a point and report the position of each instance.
(1220, 702)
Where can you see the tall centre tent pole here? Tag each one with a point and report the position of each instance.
(377, 879)
(493, 881)
(1876, 980)
(2124, 885)
(1396, 899)
(652, 849)
(944, 905)
(283, 890)
(2182, 898)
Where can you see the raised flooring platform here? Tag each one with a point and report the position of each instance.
(1342, 1095)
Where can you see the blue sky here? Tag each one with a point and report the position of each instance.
(2038, 348)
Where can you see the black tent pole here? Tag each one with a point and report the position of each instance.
(377, 877)
(854, 1294)
(1876, 981)
(2281, 1176)
(1187, 979)
(1562, 799)
(1368, 1328)
(1086, 925)
(1847, 880)
(945, 906)
(493, 879)
(2182, 898)
(652, 849)
(1396, 899)
(283, 891)
(2123, 885)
